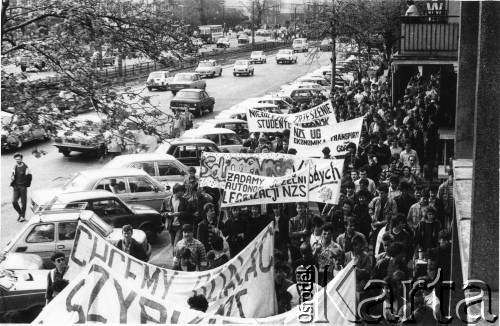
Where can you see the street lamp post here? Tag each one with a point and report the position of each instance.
(223, 19)
(253, 26)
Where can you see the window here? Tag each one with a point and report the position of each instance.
(41, 233)
(230, 139)
(67, 230)
(148, 167)
(185, 152)
(166, 168)
(214, 138)
(114, 185)
(108, 207)
(140, 184)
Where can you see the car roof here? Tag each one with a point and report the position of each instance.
(61, 215)
(69, 197)
(223, 120)
(100, 173)
(192, 90)
(186, 74)
(179, 141)
(130, 158)
(193, 133)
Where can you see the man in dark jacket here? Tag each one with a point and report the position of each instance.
(130, 246)
(20, 180)
(176, 210)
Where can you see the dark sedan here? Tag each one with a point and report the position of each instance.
(112, 210)
(197, 100)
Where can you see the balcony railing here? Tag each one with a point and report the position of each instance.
(429, 35)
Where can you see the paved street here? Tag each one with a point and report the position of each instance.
(53, 169)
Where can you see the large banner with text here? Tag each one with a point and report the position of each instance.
(101, 294)
(250, 189)
(243, 287)
(259, 121)
(310, 141)
(324, 175)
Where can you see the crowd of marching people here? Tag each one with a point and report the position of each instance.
(391, 219)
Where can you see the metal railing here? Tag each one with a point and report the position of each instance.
(428, 37)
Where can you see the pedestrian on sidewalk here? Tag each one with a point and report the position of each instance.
(20, 180)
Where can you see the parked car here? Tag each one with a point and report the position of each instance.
(286, 55)
(243, 38)
(301, 95)
(23, 291)
(18, 131)
(308, 85)
(197, 100)
(238, 35)
(326, 45)
(133, 186)
(239, 111)
(44, 233)
(209, 68)
(187, 151)
(112, 210)
(165, 168)
(243, 67)
(317, 80)
(223, 42)
(222, 137)
(283, 103)
(20, 261)
(91, 142)
(258, 56)
(159, 80)
(240, 127)
(187, 80)
(300, 44)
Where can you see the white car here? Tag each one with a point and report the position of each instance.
(222, 137)
(258, 56)
(286, 55)
(43, 233)
(159, 80)
(300, 44)
(240, 127)
(209, 68)
(308, 85)
(243, 67)
(223, 42)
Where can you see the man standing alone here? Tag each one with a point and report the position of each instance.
(20, 181)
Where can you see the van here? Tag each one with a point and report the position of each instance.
(300, 44)
(222, 137)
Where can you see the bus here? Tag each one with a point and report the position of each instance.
(210, 33)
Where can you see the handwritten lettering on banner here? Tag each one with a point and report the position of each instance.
(310, 141)
(249, 189)
(259, 121)
(100, 294)
(325, 180)
(215, 166)
(232, 289)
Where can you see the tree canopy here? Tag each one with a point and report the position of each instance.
(66, 35)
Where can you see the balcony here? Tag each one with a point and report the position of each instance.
(429, 36)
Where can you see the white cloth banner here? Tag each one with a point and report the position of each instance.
(259, 121)
(233, 289)
(101, 294)
(250, 189)
(310, 141)
(324, 175)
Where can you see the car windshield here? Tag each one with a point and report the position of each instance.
(188, 95)
(241, 63)
(206, 64)
(297, 41)
(78, 182)
(183, 78)
(156, 75)
(286, 52)
(256, 52)
(325, 42)
(98, 225)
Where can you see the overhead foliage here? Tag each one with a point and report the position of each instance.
(70, 38)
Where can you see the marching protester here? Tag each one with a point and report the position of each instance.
(130, 246)
(56, 274)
